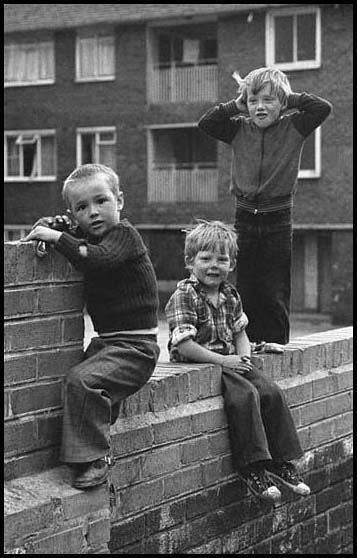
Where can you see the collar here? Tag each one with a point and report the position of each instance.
(225, 287)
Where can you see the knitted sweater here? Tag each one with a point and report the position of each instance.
(120, 287)
(265, 161)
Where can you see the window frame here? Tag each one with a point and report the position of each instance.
(96, 36)
(96, 130)
(38, 134)
(27, 45)
(270, 38)
(316, 171)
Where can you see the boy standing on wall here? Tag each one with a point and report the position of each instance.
(120, 292)
(206, 323)
(266, 150)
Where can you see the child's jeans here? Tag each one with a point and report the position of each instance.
(264, 273)
(111, 371)
(259, 420)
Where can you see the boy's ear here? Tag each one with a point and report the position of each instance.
(70, 215)
(188, 262)
(233, 264)
(120, 201)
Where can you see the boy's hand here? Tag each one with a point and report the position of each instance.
(58, 223)
(237, 363)
(241, 104)
(43, 233)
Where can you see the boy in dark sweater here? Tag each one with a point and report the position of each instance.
(120, 292)
(266, 150)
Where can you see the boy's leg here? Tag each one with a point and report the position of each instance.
(248, 439)
(103, 379)
(282, 437)
(274, 271)
(248, 274)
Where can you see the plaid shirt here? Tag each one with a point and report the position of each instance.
(191, 315)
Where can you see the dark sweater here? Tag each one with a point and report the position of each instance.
(265, 161)
(120, 287)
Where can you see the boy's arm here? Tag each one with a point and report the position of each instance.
(196, 353)
(312, 111)
(242, 344)
(218, 123)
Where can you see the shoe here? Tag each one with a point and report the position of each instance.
(286, 473)
(264, 347)
(94, 474)
(260, 484)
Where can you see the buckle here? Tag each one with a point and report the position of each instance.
(109, 460)
(255, 211)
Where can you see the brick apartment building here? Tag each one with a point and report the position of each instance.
(125, 85)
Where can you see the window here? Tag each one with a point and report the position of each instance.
(176, 49)
(310, 164)
(182, 165)
(30, 155)
(293, 38)
(95, 59)
(29, 63)
(96, 145)
(15, 232)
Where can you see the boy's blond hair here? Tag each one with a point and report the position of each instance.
(210, 235)
(85, 171)
(257, 79)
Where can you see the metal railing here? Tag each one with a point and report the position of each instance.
(183, 185)
(184, 83)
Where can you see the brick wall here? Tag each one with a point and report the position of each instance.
(175, 487)
(43, 337)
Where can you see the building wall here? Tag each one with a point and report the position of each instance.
(241, 46)
(67, 105)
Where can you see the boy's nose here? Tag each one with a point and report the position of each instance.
(93, 210)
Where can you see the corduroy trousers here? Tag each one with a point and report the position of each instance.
(111, 371)
(260, 424)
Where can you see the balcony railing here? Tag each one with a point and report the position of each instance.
(176, 84)
(183, 185)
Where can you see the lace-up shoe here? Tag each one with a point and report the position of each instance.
(286, 473)
(260, 485)
(94, 474)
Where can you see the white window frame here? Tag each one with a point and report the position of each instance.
(28, 45)
(94, 37)
(96, 131)
(270, 38)
(37, 135)
(316, 171)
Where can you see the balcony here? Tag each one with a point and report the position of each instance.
(173, 184)
(184, 83)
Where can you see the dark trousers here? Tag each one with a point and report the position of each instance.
(110, 372)
(264, 273)
(259, 420)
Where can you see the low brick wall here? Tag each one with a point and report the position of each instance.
(175, 487)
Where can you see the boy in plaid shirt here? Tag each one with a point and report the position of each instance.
(207, 323)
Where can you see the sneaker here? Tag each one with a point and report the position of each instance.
(286, 473)
(260, 484)
(94, 474)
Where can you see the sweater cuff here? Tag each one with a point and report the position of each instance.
(230, 108)
(68, 246)
(294, 100)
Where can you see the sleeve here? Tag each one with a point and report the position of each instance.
(181, 316)
(218, 122)
(312, 111)
(118, 246)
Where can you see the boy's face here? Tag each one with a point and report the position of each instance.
(94, 206)
(210, 268)
(264, 107)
